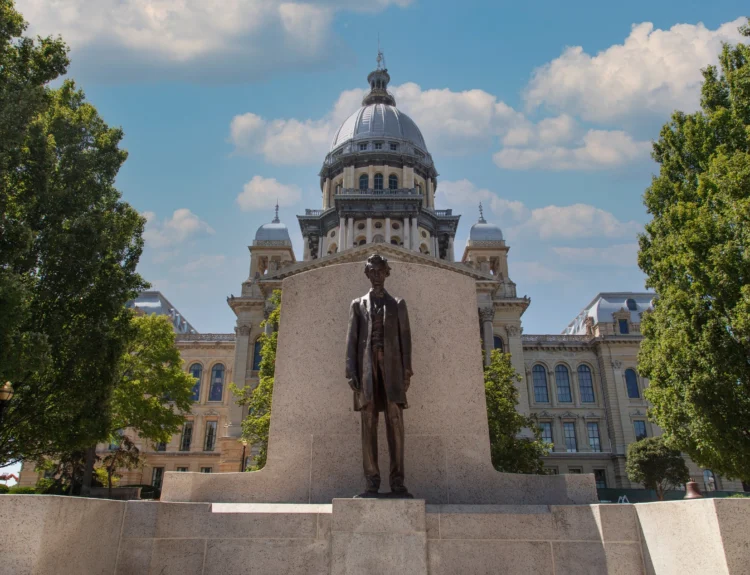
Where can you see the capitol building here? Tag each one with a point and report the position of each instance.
(377, 185)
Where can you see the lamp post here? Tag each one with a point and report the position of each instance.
(6, 393)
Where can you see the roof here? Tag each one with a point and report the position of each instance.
(273, 232)
(484, 232)
(379, 121)
(153, 302)
(605, 304)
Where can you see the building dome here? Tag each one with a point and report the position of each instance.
(273, 232)
(379, 120)
(484, 232)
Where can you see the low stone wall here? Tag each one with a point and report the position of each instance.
(700, 536)
(69, 535)
(52, 535)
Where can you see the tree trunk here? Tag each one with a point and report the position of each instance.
(88, 471)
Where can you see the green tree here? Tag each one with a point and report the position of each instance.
(126, 456)
(696, 255)
(256, 425)
(153, 393)
(68, 253)
(510, 452)
(651, 462)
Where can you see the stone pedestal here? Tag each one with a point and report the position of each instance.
(378, 536)
(314, 448)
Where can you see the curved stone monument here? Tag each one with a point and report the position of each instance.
(314, 451)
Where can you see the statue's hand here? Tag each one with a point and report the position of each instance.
(354, 383)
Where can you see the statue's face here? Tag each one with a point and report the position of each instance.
(377, 274)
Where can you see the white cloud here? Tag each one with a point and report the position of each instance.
(654, 70)
(232, 39)
(451, 122)
(620, 255)
(576, 221)
(203, 262)
(598, 150)
(526, 273)
(183, 225)
(263, 192)
(466, 193)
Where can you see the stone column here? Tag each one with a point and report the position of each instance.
(430, 191)
(388, 230)
(368, 231)
(241, 349)
(320, 247)
(487, 314)
(435, 247)
(342, 233)
(405, 234)
(326, 194)
(414, 234)
(349, 233)
(408, 177)
(305, 248)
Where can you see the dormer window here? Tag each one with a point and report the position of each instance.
(394, 146)
(378, 145)
(362, 146)
(632, 306)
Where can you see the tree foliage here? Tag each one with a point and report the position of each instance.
(256, 425)
(696, 254)
(510, 452)
(126, 456)
(153, 394)
(68, 253)
(651, 462)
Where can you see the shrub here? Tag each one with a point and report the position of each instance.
(21, 490)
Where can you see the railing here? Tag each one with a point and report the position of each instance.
(205, 337)
(271, 243)
(314, 212)
(385, 192)
(544, 338)
(443, 212)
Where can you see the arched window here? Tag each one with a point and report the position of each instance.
(631, 382)
(395, 240)
(364, 182)
(196, 370)
(378, 239)
(498, 343)
(562, 381)
(216, 391)
(378, 182)
(540, 384)
(393, 182)
(256, 354)
(586, 384)
(632, 306)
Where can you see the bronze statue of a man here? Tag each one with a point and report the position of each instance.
(378, 367)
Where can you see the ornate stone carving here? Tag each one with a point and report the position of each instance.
(243, 329)
(513, 330)
(616, 364)
(206, 337)
(486, 313)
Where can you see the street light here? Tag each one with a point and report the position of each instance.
(6, 393)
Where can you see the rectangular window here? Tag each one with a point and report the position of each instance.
(187, 436)
(546, 428)
(640, 429)
(210, 436)
(182, 469)
(569, 429)
(362, 146)
(161, 446)
(157, 474)
(394, 147)
(378, 145)
(206, 469)
(624, 329)
(594, 441)
(575, 470)
(600, 476)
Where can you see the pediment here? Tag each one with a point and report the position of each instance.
(361, 253)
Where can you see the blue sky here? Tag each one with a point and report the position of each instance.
(544, 111)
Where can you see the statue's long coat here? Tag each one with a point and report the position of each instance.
(396, 349)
